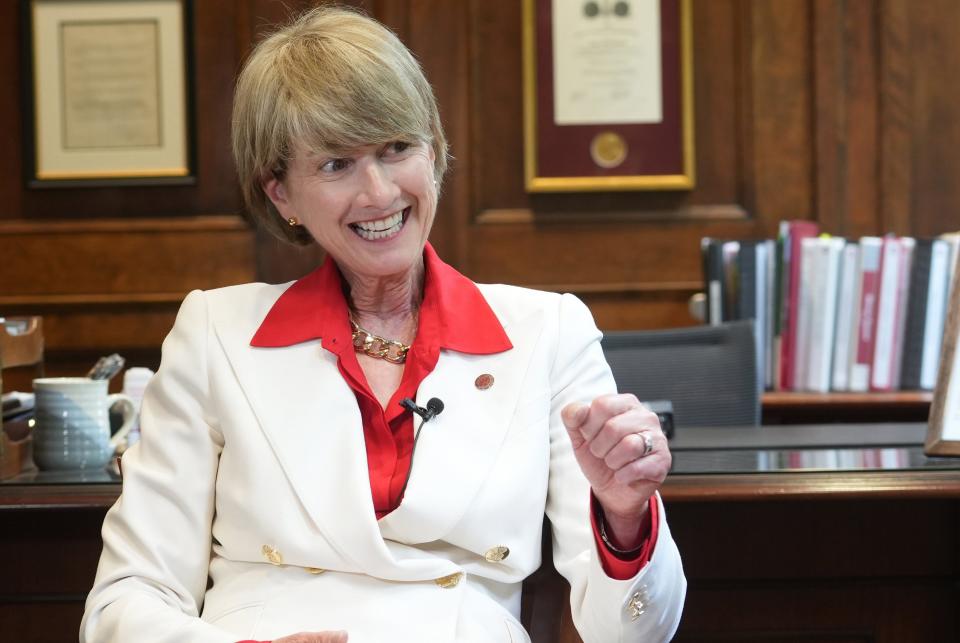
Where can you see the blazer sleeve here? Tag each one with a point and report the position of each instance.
(604, 609)
(152, 574)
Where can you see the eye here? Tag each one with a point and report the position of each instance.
(334, 165)
(396, 147)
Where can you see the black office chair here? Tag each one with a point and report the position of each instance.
(709, 373)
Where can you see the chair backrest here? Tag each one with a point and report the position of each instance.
(709, 373)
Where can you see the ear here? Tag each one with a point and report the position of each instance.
(276, 191)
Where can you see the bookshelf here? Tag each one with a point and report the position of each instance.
(796, 407)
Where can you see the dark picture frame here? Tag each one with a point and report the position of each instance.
(608, 156)
(108, 93)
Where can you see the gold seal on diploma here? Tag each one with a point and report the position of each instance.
(608, 149)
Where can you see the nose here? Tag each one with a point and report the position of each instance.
(377, 189)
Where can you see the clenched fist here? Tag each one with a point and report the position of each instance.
(623, 454)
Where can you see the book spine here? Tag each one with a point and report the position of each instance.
(770, 303)
(936, 314)
(761, 259)
(713, 279)
(913, 338)
(869, 280)
(799, 230)
(846, 305)
(807, 302)
(747, 287)
(826, 326)
(731, 279)
(907, 246)
(881, 368)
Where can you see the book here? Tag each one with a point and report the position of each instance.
(938, 295)
(868, 288)
(908, 244)
(713, 277)
(770, 303)
(845, 332)
(808, 295)
(823, 314)
(926, 306)
(752, 261)
(793, 233)
(730, 250)
(894, 267)
(916, 314)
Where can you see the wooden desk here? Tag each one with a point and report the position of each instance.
(864, 554)
(848, 556)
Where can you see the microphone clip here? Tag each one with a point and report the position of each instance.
(434, 407)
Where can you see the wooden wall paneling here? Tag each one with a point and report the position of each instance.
(896, 115)
(781, 100)
(115, 285)
(438, 35)
(717, 91)
(845, 86)
(11, 177)
(934, 65)
(128, 258)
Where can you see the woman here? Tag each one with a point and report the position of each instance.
(281, 491)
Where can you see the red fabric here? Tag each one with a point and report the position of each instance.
(618, 568)
(314, 307)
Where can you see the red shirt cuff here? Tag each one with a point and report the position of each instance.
(618, 568)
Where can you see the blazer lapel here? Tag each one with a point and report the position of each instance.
(311, 419)
(457, 449)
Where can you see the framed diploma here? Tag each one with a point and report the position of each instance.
(110, 98)
(608, 95)
(943, 428)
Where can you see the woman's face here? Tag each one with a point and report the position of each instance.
(371, 208)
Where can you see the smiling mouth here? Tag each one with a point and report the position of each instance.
(381, 228)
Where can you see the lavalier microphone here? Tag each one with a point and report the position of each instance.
(434, 407)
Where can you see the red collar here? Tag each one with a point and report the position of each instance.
(453, 314)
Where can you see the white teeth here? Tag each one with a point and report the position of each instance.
(381, 228)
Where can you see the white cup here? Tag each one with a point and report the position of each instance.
(73, 423)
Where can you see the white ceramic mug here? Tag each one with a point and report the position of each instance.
(73, 423)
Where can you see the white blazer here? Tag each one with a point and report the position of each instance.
(247, 513)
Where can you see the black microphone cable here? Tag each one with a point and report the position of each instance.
(434, 408)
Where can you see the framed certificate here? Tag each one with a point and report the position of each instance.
(943, 425)
(110, 99)
(608, 95)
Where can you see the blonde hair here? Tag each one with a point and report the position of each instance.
(331, 80)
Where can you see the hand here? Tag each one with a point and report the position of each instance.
(314, 637)
(608, 442)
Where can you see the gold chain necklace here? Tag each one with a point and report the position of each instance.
(375, 346)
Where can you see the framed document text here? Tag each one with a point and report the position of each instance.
(608, 95)
(943, 428)
(110, 100)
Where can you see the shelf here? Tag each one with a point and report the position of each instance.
(790, 399)
(801, 407)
